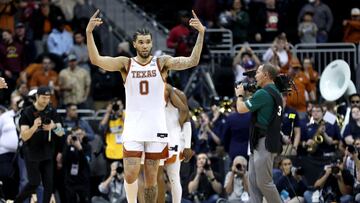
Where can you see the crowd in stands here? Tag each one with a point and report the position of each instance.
(43, 43)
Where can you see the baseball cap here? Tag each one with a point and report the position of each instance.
(44, 90)
(355, 12)
(72, 57)
(19, 25)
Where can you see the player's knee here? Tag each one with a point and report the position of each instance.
(130, 178)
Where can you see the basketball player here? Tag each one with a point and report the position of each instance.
(145, 124)
(179, 139)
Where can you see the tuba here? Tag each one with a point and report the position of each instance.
(318, 138)
(335, 82)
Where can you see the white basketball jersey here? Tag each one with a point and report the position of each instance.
(145, 103)
(173, 126)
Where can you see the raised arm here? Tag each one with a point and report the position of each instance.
(181, 63)
(105, 62)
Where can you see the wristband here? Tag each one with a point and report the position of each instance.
(58, 130)
(187, 134)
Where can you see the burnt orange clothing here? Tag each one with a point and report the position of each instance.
(352, 31)
(313, 76)
(40, 78)
(29, 71)
(7, 21)
(296, 99)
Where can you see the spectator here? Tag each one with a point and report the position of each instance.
(268, 22)
(297, 98)
(12, 61)
(311, 74)
(47, 77)
(352, 27)
(323, 18)
(60, 41)
(178, 38)
(237, 20)
(21, 90)
(113, 186)
(352, 129)
(204, 185)
(291, 182)
(7, 15)
(80, 51)
(336, 184)
(111, 126)
(245, 60)
(67, 7)
(207, 140)
(72, 120)
(76, 157)
(74, 83)
(279, 51)
(43, 19)
(25, 39)
(236, 181)
(307, 29)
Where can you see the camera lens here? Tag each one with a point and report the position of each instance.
(119, 169)
(74, 138)
(115, 107)
(238, 167)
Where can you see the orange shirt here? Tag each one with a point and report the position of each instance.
(39, 78)
(313, 76)
(296, 99)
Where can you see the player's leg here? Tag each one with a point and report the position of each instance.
(132, 159)
(161, 183)
(154, 151)
(173, 172)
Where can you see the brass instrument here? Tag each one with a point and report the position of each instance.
(195, 113)
(225, 105)
(318, 138)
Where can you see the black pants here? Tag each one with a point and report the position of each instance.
(8, 176)
(82, 191)
(38, 171)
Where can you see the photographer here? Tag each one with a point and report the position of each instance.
(236, 181)
(38, 124)
(291, 182)
(265, 138)
(113, 186)
(76, 157)
(336, 184)
(352, 163)
(205, 184)
(111, 126)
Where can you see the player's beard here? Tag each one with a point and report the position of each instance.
(144, 55)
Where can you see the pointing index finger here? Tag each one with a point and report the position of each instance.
(96, 13)
(194, 14)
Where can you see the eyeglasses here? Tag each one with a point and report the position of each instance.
(355, 101)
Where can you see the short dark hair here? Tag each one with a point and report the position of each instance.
(142, 31)
(271, 69)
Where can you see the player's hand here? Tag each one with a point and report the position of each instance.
(188, 153)
(239, 90)
(196, 24)
(3, 83)
(94, 22)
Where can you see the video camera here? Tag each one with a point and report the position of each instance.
(248, 86)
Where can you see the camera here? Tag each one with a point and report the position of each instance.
(74, 137)
(351, 149)
(119, 169)
(207, 165)
(284, 83)
(248, 86)
(115, 107)
(335, 169)
(45, 115)
(239, 167)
